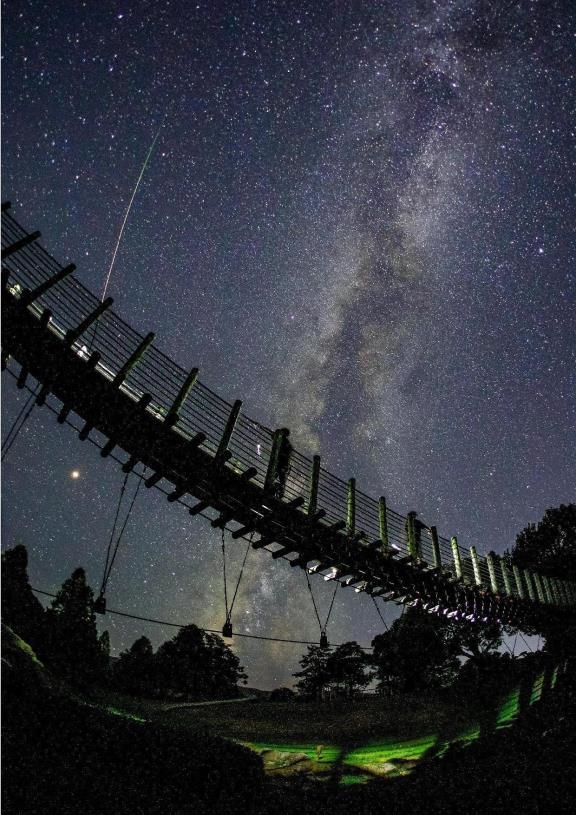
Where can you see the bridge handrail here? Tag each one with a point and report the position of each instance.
(251, 443)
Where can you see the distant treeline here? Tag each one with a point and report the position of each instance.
(418, 652)
(192, 665)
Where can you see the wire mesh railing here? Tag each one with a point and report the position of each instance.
(251, 444)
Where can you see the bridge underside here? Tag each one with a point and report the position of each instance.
(236, 500)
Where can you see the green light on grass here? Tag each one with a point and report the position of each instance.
(537, 688)
(554, 677)
(383, 752)
(348, 780)
(122, 713)
(509, 710)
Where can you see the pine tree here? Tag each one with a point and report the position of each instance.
(73, 649)
(134, 669)
(21, 610)
(347, 668)
(314, 677)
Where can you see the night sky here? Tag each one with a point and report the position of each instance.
(357, 218)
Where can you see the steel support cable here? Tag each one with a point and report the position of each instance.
(331, 606)
(248, 547)
(525, 643)
(313, 600)
(54, 410)
(166, 492)
(224, 573)
(124, 525)
(109, 549)
(207, 630)
(16, 420)
(14, 431)
(379, 612)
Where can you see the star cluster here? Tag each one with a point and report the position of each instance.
(358, 218)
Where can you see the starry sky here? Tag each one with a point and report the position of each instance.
(357, 218)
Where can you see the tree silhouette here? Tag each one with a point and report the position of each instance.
(314, 677)
(197, 665)
(134, 669)
(347, 668)
(549, 547)
(73, 649)
(417, 652)
(21, 610)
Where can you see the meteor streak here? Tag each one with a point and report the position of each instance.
(129, 207)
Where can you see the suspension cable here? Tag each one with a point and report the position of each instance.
(525, 643)
(331, 605)
(121, 533)
(313, 600)
(379, 612)
(248, 547)
(224, 571)
(19, 423)
(208, 630)
(109, 549)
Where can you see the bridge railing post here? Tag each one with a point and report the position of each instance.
(278, 438)
(540, 588)
(553, 593)
(475, 566)
(506, 577)
(133, 360)
(74, 334)
(20, 244)
(222, 454)
(383, 524)
(29, 296)
(314, 484)
(456, 557)
(174, 413)
(528, 580)
(518, 581)
(351, 507)
(492, 573)
(549, 589)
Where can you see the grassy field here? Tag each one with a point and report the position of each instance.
(370, 736)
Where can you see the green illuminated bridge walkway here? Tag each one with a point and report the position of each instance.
(159, 421)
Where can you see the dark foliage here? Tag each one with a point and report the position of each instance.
(344, 670)
(419, 651)
(549, 546)
(282, 695)
(133, 672)
(197, 665)
(20, 608)
(71, 646)
(63, 756)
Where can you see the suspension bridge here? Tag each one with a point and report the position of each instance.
(160, 422)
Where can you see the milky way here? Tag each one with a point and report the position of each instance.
(358, 218)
